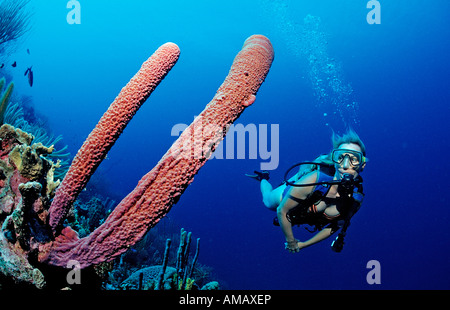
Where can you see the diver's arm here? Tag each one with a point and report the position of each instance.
(321, 235)
(285, 225)
(287, 204)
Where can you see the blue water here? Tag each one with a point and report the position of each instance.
(394, 76)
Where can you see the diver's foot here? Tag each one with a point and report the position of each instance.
(259, 175)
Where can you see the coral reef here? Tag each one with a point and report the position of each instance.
(87, 216)
(12, 113)
(14, 20)
(185, 276)
(150, 279)
(211, 286)
(159, 247)
(33, 236)
(184, 271)
(5, 97)
(26, 187)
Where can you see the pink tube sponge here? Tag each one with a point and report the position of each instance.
(109, 128)
(160, 188)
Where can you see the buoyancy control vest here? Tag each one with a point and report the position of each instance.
(347, 204)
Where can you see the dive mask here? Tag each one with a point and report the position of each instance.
(356, 158)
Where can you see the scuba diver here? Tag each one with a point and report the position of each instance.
(325, 193)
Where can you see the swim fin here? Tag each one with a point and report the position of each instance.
(259, 175)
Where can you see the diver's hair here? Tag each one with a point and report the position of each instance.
(349, 137)
(321, 159)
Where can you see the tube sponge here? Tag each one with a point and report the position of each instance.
(160, 189)
(109, 128)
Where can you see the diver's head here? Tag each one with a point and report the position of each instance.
(352, 162)
(348, 158)
(349, 137)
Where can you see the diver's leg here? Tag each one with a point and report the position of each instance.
(271, 197)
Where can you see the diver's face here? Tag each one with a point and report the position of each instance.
(346, 166)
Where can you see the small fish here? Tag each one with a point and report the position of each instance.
(28, 51)
(14, 64)
(29, 72)
(2, 65)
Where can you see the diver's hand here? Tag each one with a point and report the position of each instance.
(292, 246)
